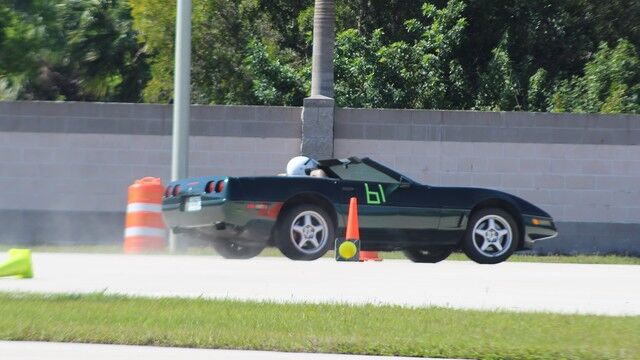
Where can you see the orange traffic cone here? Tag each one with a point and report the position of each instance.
(353, 230)
(144, 226)
(369, 256)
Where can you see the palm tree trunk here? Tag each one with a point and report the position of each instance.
(324, 23)
(318, 111)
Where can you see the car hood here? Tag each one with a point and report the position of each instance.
(481, 194)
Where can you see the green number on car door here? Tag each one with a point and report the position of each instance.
(375, 197)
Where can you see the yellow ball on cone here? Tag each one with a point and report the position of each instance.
(347, 250)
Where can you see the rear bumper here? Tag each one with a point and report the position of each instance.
(537, 229)
(219, 218)
(213, 211)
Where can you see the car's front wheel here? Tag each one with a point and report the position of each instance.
(491, 237)
(305, 232)
(430, 255)
(231, 249)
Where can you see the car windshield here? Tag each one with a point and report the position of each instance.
(364, 170)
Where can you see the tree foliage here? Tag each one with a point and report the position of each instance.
(70, 50)
(238, 57)
(419, 73)
(547, 55)
(611, 83)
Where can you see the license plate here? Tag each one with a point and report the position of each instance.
(193, 203)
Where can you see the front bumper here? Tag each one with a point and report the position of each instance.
(536, 229)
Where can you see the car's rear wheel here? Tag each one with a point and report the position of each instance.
(492, 236)
(232, 249)
(428, 255)
(305, 232)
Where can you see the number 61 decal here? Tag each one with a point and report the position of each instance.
(375, 197)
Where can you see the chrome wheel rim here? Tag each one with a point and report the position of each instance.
(309, 232)
(492, 236)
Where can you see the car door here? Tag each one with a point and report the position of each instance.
(417, 214)
(391, 215)
(376, 210)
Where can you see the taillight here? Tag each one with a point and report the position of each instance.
(220, 186)
(211, 186)
(176, 190)
(167, 192)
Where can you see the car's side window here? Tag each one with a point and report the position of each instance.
(361, 172)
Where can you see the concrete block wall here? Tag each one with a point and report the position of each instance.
(583, 169)
(67, 165)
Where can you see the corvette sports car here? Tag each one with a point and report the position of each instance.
(302, 215)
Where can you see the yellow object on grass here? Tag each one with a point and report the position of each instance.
(18, 264)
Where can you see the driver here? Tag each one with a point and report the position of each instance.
(303, 166)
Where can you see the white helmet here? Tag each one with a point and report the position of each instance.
(299, 165)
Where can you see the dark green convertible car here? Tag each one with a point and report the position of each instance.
(302, 215)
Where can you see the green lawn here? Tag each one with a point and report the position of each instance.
(380, 330)
(273, 252)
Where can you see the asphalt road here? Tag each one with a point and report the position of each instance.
(565, 288)
(11, 350)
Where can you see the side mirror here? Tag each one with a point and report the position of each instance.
(404, 184)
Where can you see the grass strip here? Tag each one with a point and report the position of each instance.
(273, 252)
(367, 329)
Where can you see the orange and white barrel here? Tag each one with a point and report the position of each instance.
(144, 227)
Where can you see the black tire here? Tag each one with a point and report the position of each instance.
(499, 249)
(429, 255)
(288, 240)
(230, 249)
